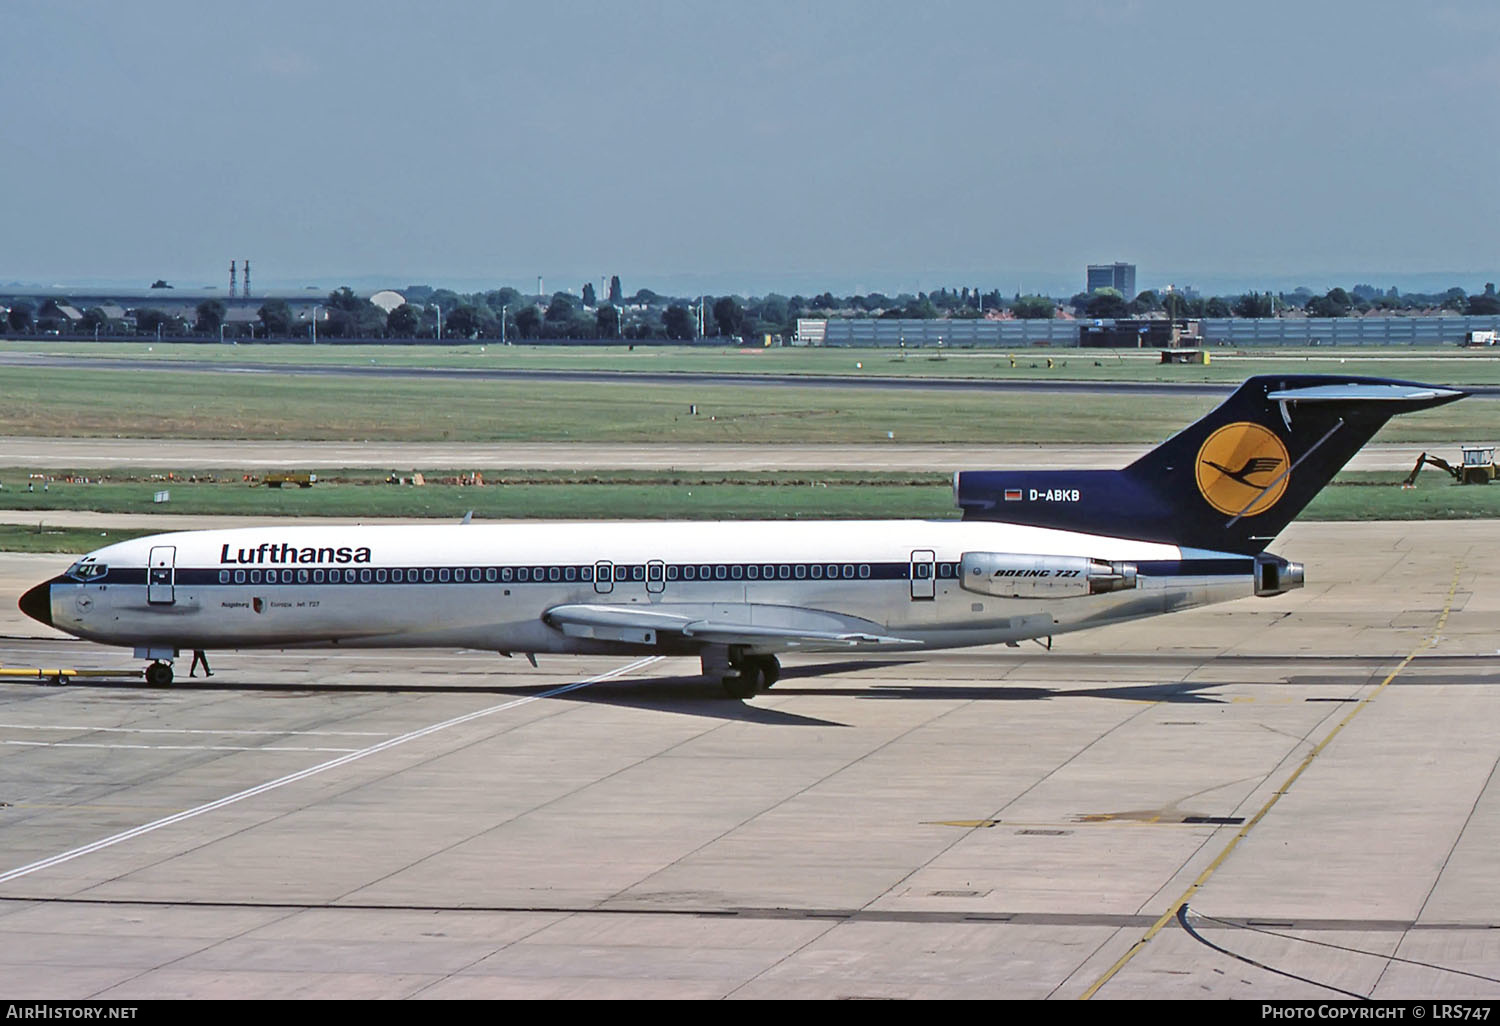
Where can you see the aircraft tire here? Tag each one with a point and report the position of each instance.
(746, 683)
(770, 669)
(159, 675)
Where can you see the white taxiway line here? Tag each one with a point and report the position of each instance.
(292, 778)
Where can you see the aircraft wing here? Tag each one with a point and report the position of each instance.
(719, 624)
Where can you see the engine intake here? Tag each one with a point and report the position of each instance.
(1009, 575)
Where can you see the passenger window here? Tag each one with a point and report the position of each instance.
(799, 570)
(223, 576)
(736, 571)
(364, 577)
(461, 575)
(427, 575)
(753, 571)
(489, 574)
(553, 573)
(817, 571)
(570, 573)
(302, 576)
(720, 572)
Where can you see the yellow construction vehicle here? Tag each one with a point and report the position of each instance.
(1477, 466)
(302, 479)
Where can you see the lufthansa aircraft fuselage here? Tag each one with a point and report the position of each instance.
(898, 584)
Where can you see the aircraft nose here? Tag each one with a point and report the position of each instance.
(37, 603)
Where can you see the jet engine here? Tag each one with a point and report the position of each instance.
(1009, 575)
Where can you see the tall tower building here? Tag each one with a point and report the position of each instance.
(1112, 276)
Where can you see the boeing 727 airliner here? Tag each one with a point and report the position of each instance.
(1037, 553)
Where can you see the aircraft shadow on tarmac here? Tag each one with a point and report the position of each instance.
(699, 696)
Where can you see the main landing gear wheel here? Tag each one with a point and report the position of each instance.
(753, 675)
(159, 674)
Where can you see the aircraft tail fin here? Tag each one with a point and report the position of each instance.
(1229, 482)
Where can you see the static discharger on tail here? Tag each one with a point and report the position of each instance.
(1037, 554)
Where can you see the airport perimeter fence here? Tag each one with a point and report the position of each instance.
(1216, 331)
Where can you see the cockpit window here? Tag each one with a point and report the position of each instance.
(87, 570)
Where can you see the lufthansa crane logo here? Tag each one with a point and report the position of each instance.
(1242, 469)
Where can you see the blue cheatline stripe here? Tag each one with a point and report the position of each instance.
(629, 573)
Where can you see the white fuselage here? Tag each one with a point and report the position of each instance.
(490, 586)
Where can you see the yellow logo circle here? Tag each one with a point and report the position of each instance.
(1242, 469)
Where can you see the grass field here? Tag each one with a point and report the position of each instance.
(642, 495)
(1440, 365)
(165, 404)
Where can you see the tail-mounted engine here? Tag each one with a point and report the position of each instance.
(1274, 575)
(1008, 575)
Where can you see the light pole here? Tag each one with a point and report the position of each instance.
(315, 324)
(440, 321)
(504, 309)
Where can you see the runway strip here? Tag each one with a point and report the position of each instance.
(343, 760)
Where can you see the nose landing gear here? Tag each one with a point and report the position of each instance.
(159, 674)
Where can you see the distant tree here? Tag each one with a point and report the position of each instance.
(1216, 307)
(1335, 303)
(94, 318)
(1486, 304)
(920, 309)
(150, 319)
(159, 284)
(210, 316)
(276, 318)
(528, 322)
(589, 297)
(462, 322)
(608, 323)
(560, 310)
(728, 316)
(352, 316)
(614, 289)
(678, 323)
(1146, 302)
(1033, 308)
(1175, 304)
(1107, 303)
(1253, 304)
(645, 297)
(506, 297)
(21, 317)
(402, 322)
(774, 310)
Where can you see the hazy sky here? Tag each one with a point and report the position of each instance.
(717, 145)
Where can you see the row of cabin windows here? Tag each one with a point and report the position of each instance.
(607, 572)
